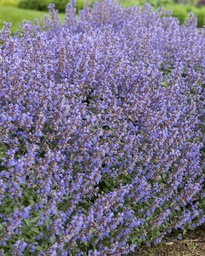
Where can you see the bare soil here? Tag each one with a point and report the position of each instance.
(192, 244)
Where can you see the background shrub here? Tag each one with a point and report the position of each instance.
(33, 4)
(181, 12)
(42, 5)
(178, 11)
(200, 14)
(102, 138)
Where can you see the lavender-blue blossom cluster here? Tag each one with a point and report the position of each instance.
(102, 131)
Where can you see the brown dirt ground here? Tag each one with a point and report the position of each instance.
(192, 244)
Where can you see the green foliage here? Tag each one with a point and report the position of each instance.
(81, 3)
(30, 228)
(178, 11)
(42, 5)
(32, 4)
(200, 14)
(2, 151)
(181, 12)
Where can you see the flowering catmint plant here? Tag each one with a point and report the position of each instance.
(102, 131)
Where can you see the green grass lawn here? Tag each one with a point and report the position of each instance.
(16, 16)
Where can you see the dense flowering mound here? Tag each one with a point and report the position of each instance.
(102, 131)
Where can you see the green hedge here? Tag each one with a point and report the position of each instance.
(200, 14)
(42, 5)
(178, 11)
(181, 12)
